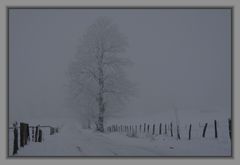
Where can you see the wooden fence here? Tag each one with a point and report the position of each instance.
(166, 129)
(28, 133)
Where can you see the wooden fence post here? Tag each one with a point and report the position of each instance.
(40, 136)
(27, 137)
(189, 132)
(140, 128)
(230, 128)
(15, 141)
(148, 127)
(178, 133)
(160, 128)
(32, 134)
(215, 128)
(22, 134)
(36, 134)
(204, 130)
(171, 129)
(165, 129)
(153, 129)
(144, 128)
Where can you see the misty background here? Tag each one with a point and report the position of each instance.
(182, 58)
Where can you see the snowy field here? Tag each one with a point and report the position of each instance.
(72, 140)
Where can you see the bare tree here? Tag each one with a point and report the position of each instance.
(97, 76)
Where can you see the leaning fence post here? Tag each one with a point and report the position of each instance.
(189, 132)
(36, 134)
(204, 130)
(215, 127)
(178, 133)
(230, 128)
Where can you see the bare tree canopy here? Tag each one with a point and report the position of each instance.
(98, 81)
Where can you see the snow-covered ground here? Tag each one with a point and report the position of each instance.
(72, 140)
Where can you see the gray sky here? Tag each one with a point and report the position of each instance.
(181, 57)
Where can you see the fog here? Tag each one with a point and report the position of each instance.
(180, 58)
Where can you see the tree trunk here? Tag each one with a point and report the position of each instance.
(100, 126)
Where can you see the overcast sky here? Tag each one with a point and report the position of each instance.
(181, 57)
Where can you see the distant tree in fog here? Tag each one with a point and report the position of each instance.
(97, 77)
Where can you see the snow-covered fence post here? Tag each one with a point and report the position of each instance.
(171, 129)
(204, 130)
(189, 132)
(160, 128)
(132, 129)
(230, 128)
(215, 128)
(153, 129)
(178, 133)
